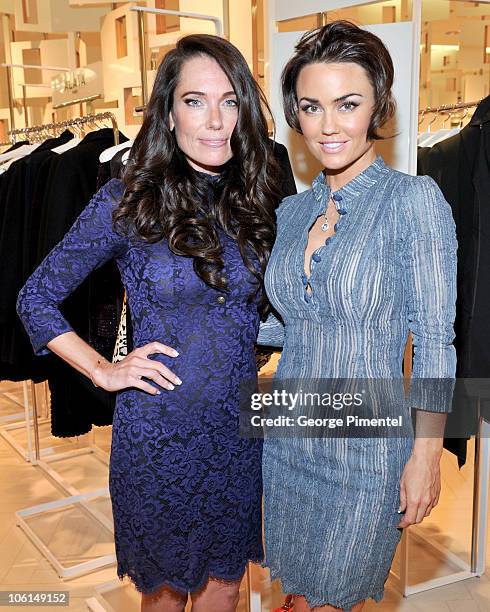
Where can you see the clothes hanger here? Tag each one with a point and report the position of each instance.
(70, 144)
(19, 152)
(461, 119)
(443, 132)
(428, 134)
(109, 153)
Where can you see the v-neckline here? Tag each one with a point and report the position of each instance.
(326, 237)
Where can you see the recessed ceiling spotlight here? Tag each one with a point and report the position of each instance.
(454, 32)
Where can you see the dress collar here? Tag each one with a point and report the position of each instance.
(212, 179)
(354, 188)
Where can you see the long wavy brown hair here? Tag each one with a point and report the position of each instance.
(165, 198)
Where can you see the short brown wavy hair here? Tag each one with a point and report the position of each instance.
(342, 41)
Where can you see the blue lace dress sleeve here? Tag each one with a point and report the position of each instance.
(89, 243)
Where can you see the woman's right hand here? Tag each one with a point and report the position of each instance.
(130, 371)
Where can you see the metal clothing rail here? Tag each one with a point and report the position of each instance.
(46, 128)
(69, 122)
(37, 67)
(76, 101)
(448, 107)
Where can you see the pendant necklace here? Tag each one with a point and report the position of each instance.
(325, 225)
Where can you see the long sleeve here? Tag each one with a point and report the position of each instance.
(89, 243)
(430, 281)
(271, 332)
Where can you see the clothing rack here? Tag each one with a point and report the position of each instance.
(54, 127)
(60, 125)
(83, 500)
(448, 107)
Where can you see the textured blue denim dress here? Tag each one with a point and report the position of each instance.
(186, 489)
(331, 504)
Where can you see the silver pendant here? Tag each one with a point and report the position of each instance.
(325, 226)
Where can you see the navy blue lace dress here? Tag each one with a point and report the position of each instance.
(186, 489)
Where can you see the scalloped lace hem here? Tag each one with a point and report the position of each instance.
(179, 587)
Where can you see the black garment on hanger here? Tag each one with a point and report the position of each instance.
(461, 167)
(16, 243)
(116, 163)
(286, 178)
(18, 144)
(72, 181)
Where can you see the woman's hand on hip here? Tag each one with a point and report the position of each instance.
(130, 371)
(420, 484)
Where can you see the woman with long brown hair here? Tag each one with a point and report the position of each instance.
(191, 226)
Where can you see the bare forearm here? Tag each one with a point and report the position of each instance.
(77, 353)
(129, 372)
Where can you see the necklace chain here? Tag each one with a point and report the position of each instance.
(326, 225)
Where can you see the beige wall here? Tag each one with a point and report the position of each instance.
(59, 16)
(241, 27)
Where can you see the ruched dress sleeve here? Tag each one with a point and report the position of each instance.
(89, 243)
(430, 282)
(271, 332)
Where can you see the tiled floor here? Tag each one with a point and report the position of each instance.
(74, 537)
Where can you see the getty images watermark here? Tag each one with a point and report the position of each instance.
(339, 407)
(282, 399)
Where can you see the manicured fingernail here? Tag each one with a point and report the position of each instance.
(158, 392)
(178, 381)
(399, 510)
(174, 353)
(170, 386)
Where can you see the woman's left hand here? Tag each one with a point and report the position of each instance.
(420, 484)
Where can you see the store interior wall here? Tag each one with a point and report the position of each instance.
(99, 40)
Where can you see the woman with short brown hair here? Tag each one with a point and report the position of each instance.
(364, 256)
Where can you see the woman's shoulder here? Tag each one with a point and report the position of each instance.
(290, 203)
(107, 198)
(112, 190)
(409, 184)
(421, 202)
(99, 211)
